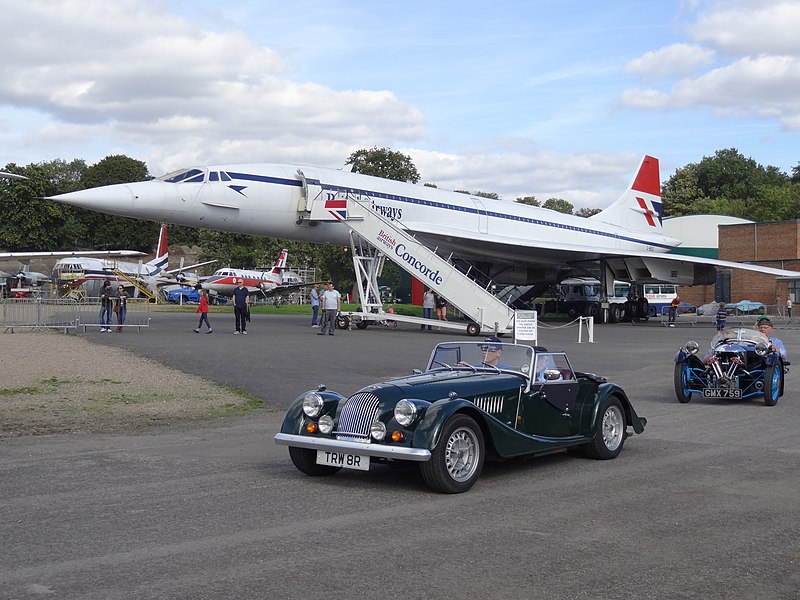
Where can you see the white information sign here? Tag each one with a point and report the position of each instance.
(525, 329)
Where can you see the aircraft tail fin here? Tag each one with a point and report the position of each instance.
(639, 207)
(280, 264)
(161, 260)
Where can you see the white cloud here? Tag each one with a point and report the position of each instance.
(157, 82)
(761, 76)
(768, 86)
(675, 60)
(544, 174)
(754, 27)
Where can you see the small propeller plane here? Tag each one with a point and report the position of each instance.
(268, 283)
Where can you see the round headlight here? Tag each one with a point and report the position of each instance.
(378, 430)
(405, 412)
(692, 347)
(761, 348)
(312, 404)
(325, 424)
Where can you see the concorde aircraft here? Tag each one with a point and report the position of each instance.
(510, 241)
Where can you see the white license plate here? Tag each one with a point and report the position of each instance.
(722, 393)
(343, 459)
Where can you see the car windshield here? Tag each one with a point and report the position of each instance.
(747, 336)
(482, 355)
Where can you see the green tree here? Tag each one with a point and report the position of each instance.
(728, 183)
(490, 195)
(384, 162)
(681, 192)
(31, 223)
(530, 200)
(587, 212)
(559, 205)
(236, 250)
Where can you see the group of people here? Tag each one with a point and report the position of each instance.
(431, 302)
(331, 302)
(329, 299)
(111, 303)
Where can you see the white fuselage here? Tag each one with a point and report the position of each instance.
(269, 199)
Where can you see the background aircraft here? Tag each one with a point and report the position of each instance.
(88, 273)
(274, 281)
(510, 242)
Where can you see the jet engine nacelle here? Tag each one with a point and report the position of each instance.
(681, 273)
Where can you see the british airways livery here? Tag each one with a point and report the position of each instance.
(509, 241)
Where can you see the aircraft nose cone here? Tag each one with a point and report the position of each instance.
(114, 199)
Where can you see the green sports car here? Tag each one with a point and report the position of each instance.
(475, 401)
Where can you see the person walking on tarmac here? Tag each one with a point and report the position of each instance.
(673, 310)
(202, 308)
(241, 307)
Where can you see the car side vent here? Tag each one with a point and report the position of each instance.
(358, 414)
(490, 404)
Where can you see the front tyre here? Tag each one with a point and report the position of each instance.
(681, 378)
(772, 384)
(306, 461)
(609, 436)
(457, 460)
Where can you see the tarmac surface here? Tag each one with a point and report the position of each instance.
(704, 504)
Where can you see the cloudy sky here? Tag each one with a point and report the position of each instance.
(555, 98)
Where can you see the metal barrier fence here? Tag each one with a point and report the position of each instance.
(67, 313)
(39, 313)
(137, 315)
(776, 312)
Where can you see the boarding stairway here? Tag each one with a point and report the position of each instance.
(373, 238)
(136, 283)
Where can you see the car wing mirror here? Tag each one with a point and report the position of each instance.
(552, 375)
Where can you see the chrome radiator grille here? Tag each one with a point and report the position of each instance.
(491, 404)
(358, 414)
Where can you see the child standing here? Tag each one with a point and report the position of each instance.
(722, 316)
(202, 308)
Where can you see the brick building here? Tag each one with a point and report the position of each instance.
(774, 245)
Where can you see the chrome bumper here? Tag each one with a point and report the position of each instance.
(396, 452)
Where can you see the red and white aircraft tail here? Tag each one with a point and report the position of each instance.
(639, 207)
(280, 264)
(161, 260)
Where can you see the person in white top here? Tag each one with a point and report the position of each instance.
(331, 303)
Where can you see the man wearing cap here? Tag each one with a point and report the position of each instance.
(764, 325)
(492, 348)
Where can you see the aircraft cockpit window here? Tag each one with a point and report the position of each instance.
(213, 176)
(224, 176)
(184, 176)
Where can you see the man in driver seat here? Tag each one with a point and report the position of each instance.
(764, 325)
(492, 348)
